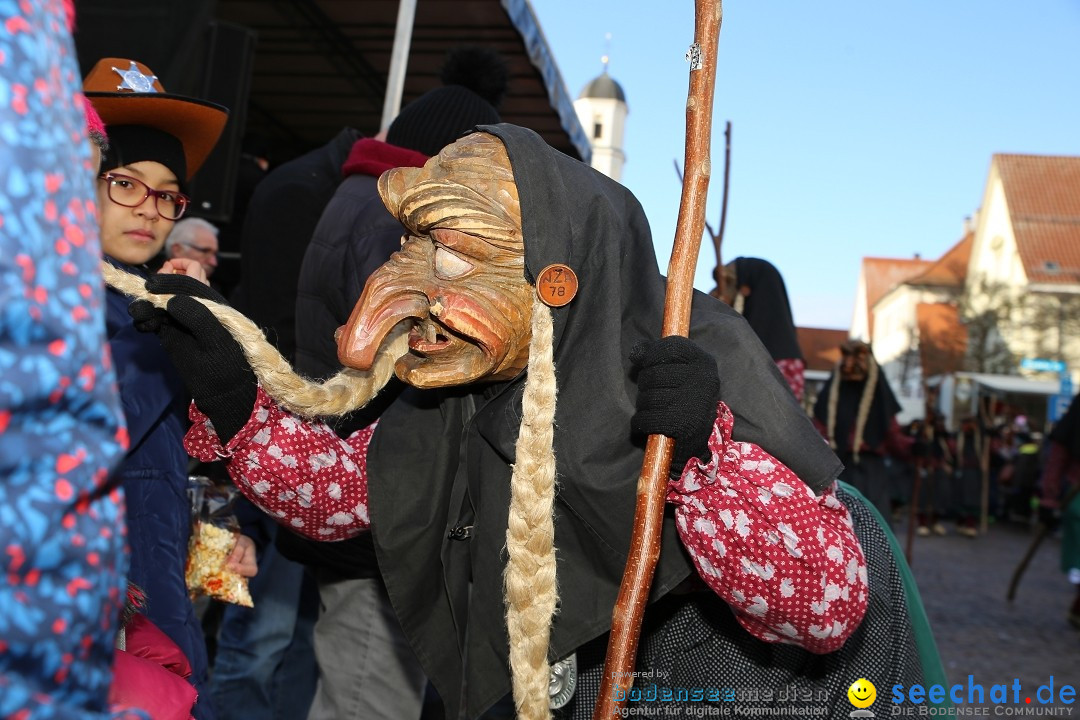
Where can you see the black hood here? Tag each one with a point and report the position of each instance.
(883, 408)
(440, 460)
(767, 307)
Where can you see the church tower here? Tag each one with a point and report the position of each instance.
(602, 110)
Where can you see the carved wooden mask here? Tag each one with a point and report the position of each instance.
(731, 284)
(459, 278)
(855, 360)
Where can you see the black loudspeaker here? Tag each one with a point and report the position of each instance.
(167, 37)
(226, 80)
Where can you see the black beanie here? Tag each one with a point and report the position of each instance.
(438, 118)
(130, 144)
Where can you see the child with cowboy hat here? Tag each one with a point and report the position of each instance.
(157, 141)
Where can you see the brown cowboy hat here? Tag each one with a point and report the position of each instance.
(126, 92)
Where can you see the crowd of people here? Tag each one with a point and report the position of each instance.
(452, 543)
(984, 471)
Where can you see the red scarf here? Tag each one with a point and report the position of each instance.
(374, 157)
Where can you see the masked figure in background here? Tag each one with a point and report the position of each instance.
(755, 288)
(856, 412)
(933, 453)
(500, 485)
(970, 443)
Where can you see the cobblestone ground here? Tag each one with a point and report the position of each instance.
(964, 583)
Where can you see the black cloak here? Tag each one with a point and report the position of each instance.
(883, 408)
(440, 462)
(767, 307)
(1067, 430)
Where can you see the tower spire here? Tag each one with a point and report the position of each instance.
(601, 108)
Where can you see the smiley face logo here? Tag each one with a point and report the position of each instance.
(862, 693)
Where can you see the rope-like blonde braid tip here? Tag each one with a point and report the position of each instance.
(529, 579)
(348, 390)
(865, 402)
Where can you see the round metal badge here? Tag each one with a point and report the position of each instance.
(562, 682)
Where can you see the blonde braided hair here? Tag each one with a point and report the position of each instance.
(865, 402)
(739, 303)
(529, 579)
(483, 201)
(347, 391)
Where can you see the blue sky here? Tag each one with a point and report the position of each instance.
(859, 128)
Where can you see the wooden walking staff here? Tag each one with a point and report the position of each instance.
(652, 484)
(1040, 534)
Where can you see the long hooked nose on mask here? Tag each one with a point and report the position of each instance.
(384, 303)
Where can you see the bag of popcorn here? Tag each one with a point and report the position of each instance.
(213, 536)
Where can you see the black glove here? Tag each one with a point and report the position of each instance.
(678, 390)
(207, 356)
(173, 284)
(149, 319)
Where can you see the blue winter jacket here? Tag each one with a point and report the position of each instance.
(154, 477)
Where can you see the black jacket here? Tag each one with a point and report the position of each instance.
(154, 477)
(281, 217)
(355, 235)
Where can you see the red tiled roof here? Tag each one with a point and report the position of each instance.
(951, 268)
(820, 346)
(942, 338)
(883, 274)
(1043, 195)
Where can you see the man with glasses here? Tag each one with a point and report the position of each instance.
(195, 239)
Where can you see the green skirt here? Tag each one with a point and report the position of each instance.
(1070, 538)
